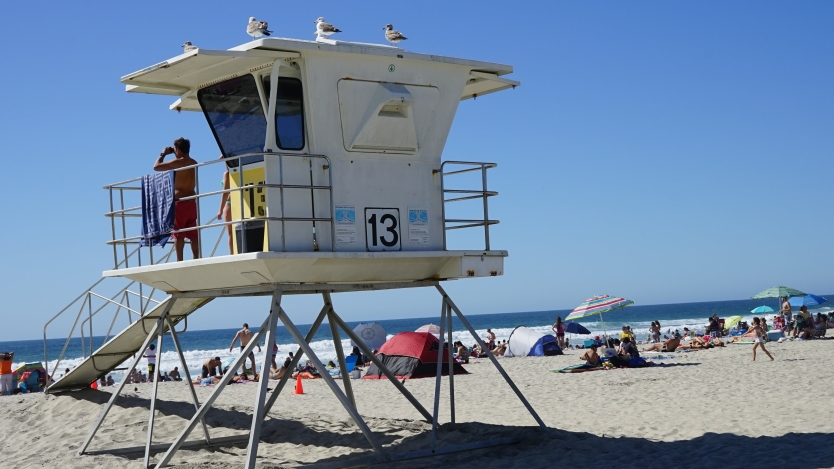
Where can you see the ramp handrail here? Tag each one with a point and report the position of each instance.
(464, 194)
(120, 299)
(118, 209)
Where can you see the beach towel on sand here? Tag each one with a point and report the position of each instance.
(157, 208)
(582, 367)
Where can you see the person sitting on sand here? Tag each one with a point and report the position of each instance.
(175, 374)
(591, 357)
(803, 324)
(500, 349)
(306, 372)
(668, 346)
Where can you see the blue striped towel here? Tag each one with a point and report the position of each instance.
(157, 208)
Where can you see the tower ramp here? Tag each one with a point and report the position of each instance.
(124, 345)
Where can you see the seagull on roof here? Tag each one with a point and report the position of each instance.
(323, 28)
(257, 28)
(393, 36)
(188, 46)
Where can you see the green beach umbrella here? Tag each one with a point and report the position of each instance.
(778, 292)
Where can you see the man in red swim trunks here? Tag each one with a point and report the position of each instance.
(185, 211)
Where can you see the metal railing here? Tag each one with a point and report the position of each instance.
(465, 194)
(120, 301)
(120, 212)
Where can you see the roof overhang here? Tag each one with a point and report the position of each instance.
(481, 83)
(184, 74)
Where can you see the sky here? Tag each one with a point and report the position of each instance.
(663, 151)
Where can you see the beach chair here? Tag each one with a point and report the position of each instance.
(350, 363)
(589, 342)
(817, 333)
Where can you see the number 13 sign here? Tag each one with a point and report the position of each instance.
(382, 229)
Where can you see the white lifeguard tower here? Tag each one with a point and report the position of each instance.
(334, 155)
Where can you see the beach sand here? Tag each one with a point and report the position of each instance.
(712, 408)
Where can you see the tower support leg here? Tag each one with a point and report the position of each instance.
(334, 388)
(340, 354)
(175, 446)
(187, 373)
(155, 378)
(448, 301)
(296, 358)
(451, 362)
(263, 382)
(438, 376)
(128, 372)
(393, 379)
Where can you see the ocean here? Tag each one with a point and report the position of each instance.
(200, 345)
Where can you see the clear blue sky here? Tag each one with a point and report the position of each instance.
(662, 151)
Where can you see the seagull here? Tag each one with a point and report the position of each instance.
(257, 28)
(393, 36)
(188, 46)
(323, 28)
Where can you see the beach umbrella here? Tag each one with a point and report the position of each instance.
(761, 309)
(430, 328)
(807, 300)
(598, 305)
(576, 328)
(778, 292)
(372, 334)
(732, 321)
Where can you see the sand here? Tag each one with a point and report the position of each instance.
(700, 409)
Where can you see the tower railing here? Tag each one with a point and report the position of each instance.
(459, 195)
(119, 213)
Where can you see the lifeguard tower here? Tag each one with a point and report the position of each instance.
(336, 185)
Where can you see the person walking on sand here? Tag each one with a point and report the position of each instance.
(756, 328)
(245, 335)
(559, 329)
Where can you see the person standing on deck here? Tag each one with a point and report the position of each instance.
(185, 211)
(245, 335)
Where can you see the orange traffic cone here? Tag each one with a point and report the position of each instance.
(299, 389)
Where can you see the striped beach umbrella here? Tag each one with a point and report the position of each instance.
(598, 305)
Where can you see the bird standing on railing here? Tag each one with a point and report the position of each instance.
(324, 29)
(393, 36)
(257, 28)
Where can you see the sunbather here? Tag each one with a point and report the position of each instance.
(667, 346)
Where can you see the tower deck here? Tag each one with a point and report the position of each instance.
(257, 268)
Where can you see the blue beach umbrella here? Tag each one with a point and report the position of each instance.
(762, 309)
(807, 300)
(576, 328)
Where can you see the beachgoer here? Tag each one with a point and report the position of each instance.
(804, 322)
(274, 354)
(591, 356)
(225, 212)
(110, 381)
(185, 211)
(757, 329)
(490, 339)
(150, 354)
(210, 367)
(667, 346)
(714, 327)
(6, 373)
(626, 334)
(628, 348)
(786, 309)
(102, 382)
(175, 374)
(559, 329)
(655, 331)
(245, 335)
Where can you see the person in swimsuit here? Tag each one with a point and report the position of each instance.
(667, 346)
(225, 212)
(211, 367)
(245, 335)
(185, 211)
(591, 356)
(559, 329)
(756, 328)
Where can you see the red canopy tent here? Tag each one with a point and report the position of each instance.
(412, 355)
